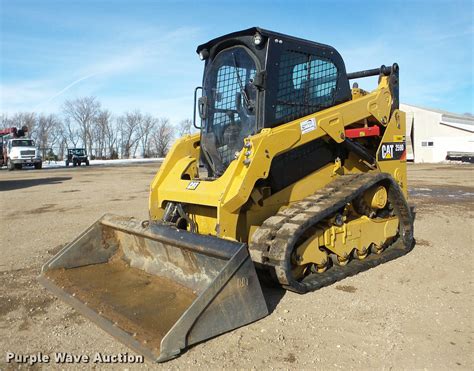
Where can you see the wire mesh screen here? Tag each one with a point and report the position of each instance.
(306, 84)
(228, 87)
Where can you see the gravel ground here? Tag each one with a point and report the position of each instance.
(414, 312)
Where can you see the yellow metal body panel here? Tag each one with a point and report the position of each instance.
(229, 208)
(395, 134)
(311, 250)
(357, 234)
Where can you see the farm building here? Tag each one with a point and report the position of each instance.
(436, 136)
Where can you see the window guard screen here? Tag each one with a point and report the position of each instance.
(306, 84)
(228, 85)
(229, 80)
(231, 101)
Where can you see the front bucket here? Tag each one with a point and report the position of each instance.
(155, 288)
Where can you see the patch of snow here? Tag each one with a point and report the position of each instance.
(57, 164)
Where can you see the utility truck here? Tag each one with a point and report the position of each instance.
(17, 150)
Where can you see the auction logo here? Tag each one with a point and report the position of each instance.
(62, 357)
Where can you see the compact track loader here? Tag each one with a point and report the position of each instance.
(294, 176)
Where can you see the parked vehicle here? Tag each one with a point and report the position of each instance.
(460, 156)
(17, 150)
(76, 157)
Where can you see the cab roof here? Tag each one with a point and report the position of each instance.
(266, 33)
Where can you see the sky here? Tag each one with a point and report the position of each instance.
(142, 54)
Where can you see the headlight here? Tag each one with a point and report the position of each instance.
(203, 54)
(257, 39)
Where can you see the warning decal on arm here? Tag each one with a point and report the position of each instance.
(192, 185)
(308, 125)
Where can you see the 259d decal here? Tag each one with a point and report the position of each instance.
(392, 151)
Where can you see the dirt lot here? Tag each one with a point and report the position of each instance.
(415, 312)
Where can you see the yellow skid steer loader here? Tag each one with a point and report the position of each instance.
(293, 175)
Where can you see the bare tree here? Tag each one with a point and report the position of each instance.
(47, 132)
(62, 145)
(145, 129)
(4, 121)
(100, 130)
(184, 127)
(70, 132)
(84, 122)
(111, 137)
(129, 124)
(162, 136)
(21, 119)
(83, 112)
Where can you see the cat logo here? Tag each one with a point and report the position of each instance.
(392, 151)
(387, 151)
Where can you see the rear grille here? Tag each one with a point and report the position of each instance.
(27, 153)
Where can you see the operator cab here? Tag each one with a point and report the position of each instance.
(255, 79)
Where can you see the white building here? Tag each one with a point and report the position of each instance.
(432, 133)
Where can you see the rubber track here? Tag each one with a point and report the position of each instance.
(274, 241)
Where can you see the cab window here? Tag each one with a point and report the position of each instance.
(306, 84)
